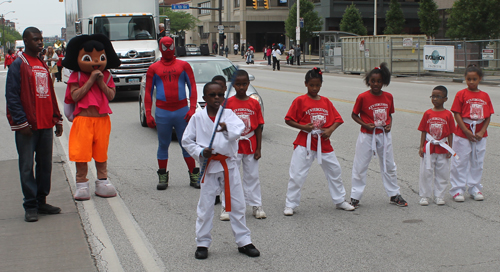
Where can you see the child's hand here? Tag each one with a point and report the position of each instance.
(470, 136)
(309, 127)
(421, 152)
(223, 127)
(257, 155)
(207, 152)
(370, 126)
(326, 133)
(448, 155)
(479, 135)
(388, 127)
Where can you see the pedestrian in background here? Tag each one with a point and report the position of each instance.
(9, 58)
(51, 59)
(226, 50)
(32, 112)
(269, 55)
(291, 53)
(276, 58)
(297, 54)
(60, 56)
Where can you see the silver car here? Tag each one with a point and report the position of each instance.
(204, 69)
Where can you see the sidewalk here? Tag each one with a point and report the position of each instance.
(55, 242)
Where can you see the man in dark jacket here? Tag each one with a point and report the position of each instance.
(32, 112)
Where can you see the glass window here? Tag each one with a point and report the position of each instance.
(204, 71)
(204, 5)
(236, 3)
(126, 27)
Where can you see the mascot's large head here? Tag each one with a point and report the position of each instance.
(90, 52)
(167, 48)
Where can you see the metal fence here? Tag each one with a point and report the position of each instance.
(404, 54)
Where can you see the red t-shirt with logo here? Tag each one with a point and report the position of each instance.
(40, 79)
(250, 113)
(472, 105)
(374, 109)
(439, 124)
(305, 110)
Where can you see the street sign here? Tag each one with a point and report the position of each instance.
(180, 6)
(301, 22)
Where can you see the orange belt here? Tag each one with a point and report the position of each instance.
(227, 190)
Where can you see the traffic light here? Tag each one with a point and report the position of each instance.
(254, 4)
(266, 4)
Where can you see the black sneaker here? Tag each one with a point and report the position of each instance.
(31, 216)
(48, 209)
(354, 202)
(399, 201)
(194, 178)
(162, 179)
(249, 250)
(201, 253)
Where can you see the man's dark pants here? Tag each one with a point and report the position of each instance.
(36, 148)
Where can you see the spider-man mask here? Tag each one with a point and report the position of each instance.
(167, 48)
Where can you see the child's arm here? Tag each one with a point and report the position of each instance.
(461, 125)
(309, 127)
(486, 123)
(388, 127)
(258, 137)
(422, 142)
(328, 132)
(358, 120)
(108, 92)
(78, 92)
(189, 142)
(450, 143)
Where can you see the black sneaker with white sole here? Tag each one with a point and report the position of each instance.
(399, 201)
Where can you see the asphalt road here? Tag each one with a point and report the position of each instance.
(147, 226)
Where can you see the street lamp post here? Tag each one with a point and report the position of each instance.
(3, 28)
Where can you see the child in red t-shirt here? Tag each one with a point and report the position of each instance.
(473, 109)
(249, 146)
(317, 119)
(373, 111)
(437, 128)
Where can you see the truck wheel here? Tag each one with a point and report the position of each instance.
(142, 114)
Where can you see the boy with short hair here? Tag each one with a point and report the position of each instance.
(437, 128)
(250, 142)
(221, 171)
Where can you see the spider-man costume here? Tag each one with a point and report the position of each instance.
(170, 76)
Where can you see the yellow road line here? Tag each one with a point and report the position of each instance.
(352, 102)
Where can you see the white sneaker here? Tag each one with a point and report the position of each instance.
(288, 211)
(439, 201)
(477, 196)
(345, 206)
(224, 216)
(258, 212)
(424, 201)
(459, 197)
(82, 191)
(104, 189)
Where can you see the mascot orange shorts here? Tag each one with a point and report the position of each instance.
(89, 138)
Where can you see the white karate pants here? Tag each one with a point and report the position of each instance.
(463, 171)
(299, 168)
(438, 175)
(212, 184)
(362, 159)
(250, 180)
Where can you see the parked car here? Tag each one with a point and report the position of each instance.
(204, 69)
(192, 50)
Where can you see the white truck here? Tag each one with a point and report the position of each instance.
(131, 25)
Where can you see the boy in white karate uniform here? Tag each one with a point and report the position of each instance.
(437, 127)
(220, 172)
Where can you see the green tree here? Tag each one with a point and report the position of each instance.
(179, 20)
(474, 20)
(312, 21)
(394, 19)
(352, 21)
(429, 17)
(11, 35)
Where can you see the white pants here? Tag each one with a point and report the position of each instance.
(438, 175)
(463, 171)
(362, 159)
(299, 168)
(250, 180)
(212, 184)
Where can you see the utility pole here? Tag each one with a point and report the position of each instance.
(297, 30)
(375, 18)
(221, 35)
